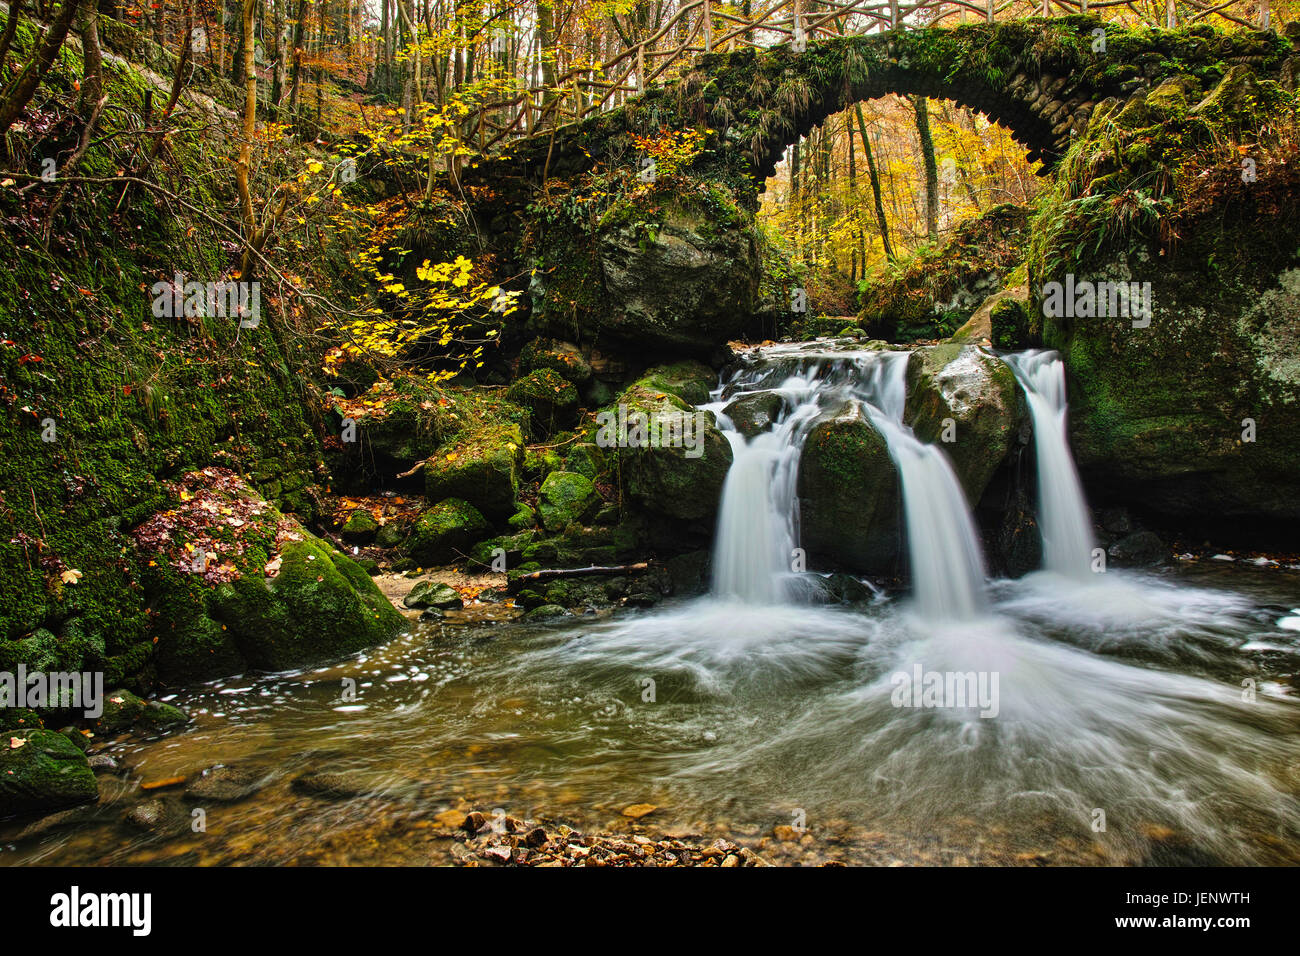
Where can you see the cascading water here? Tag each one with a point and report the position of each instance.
(947, 566)
(1063, 512)
(758, 524)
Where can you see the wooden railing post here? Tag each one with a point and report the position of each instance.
(708, 28)
(640, 67)
(1083, 7)
(1263, 15)
(893, 14)
(1171, 16)
(991, 2)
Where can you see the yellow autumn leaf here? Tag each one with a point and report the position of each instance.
(70, 576)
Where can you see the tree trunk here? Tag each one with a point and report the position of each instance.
(20, 91)
(931, 168)
(875, 186)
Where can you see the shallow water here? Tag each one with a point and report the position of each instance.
(1124, 695)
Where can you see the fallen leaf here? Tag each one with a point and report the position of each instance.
(70, 576)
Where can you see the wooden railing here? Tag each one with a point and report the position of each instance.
(701, 26)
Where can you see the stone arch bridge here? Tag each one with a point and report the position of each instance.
(1040, 78)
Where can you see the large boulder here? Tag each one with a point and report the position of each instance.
(41, 770)
(755, 413)
(481, 468)
(565, 497)
(685, 284)
(232, 583)
(446, 532)
(849, 502)
(680, 474)
(967, 402)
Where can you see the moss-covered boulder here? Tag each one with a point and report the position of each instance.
(523, 519)
(550, 399)
(481, 468)
(360, 526)
(565, 497)
(673, 458)
(849, 500)
(445, 532)
(966, 401)
(234, 584)
(688, 380)
(321, 605)
(41, 771)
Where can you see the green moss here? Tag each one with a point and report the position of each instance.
(565, 497)
(45, 772)
(446, 531)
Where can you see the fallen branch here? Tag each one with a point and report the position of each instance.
(546, 574)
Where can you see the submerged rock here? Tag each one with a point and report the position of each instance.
(225, 785)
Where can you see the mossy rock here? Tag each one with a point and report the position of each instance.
(523, 519)
(968, 403)
(564, 497)
(588, 460)
(688, 380)
(561, 357)
(668, 478)
(433, 594)
(322, 605)
(756, 413)
(482, 469)
(361, 526)
(446, 531)
(550, 399)
(45, 772)
(849, 499)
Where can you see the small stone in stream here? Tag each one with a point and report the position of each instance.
(638, 810)
(432, 614)
(500, 853)
(433, 594)
(546, 612)
(159, 816)
(224, 785)
(536, 838)
(157, 714)
(104, 763)
(473, 821)
(333, 786)
(786, 834)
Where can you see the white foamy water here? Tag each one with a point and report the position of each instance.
(1063, 512)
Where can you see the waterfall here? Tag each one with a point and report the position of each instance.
(943, 548)
(1063, 512)
(758, 522)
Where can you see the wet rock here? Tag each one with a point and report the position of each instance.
(41, 771)
(562, 357)
(121, 711)
(432, 614)
(638, 810)
(857, 530)
(1140, 550)
(756, 413)
(159, 715)
(80, 739)
(536, 838)
(105, 763)
(1116, 521)
(433, 594)
(473, 822)
(160, 816)
(546, 612)
(225, 785)
(968, 403)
